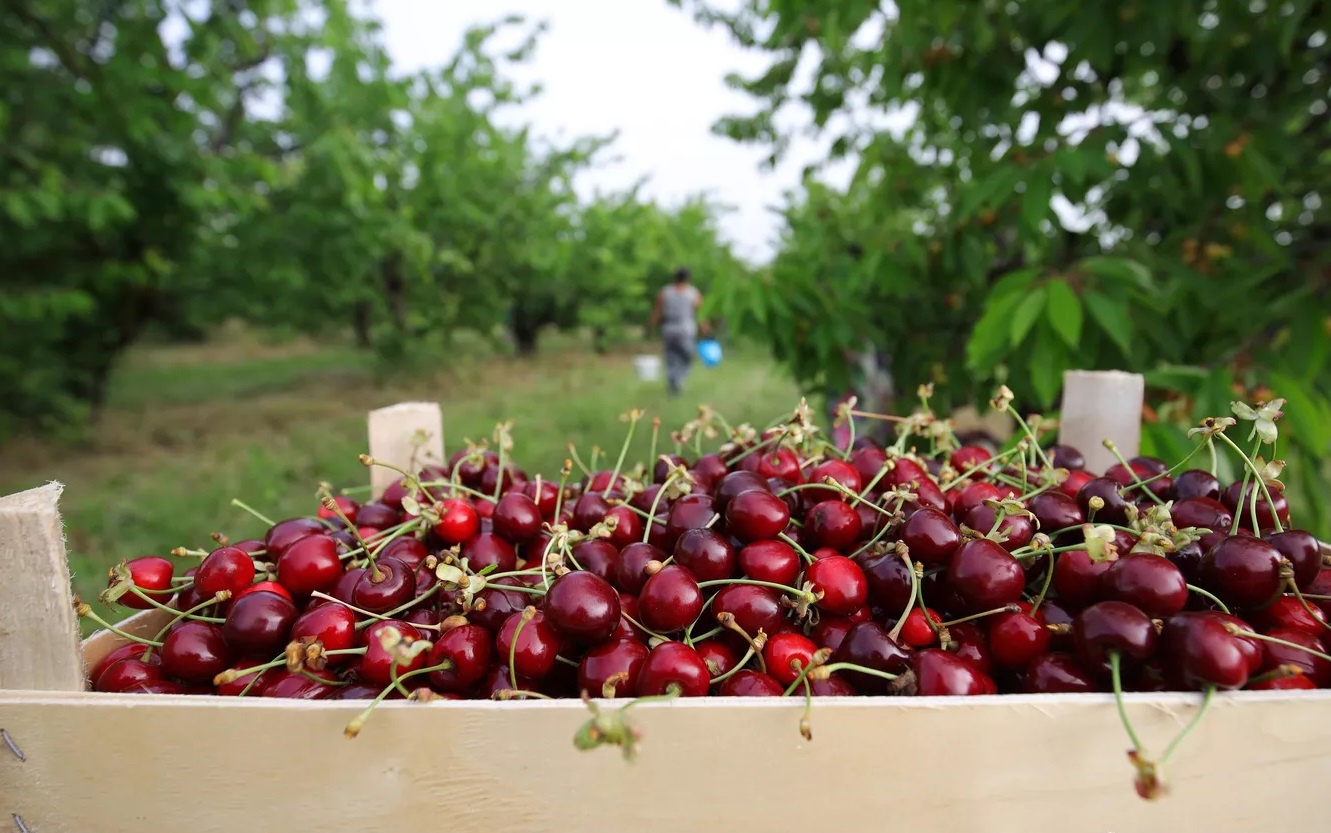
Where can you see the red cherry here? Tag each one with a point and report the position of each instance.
(152, 575)
(1017, 639)
(1056, 673)
(1303, 552)
(332, 625)
(1295, 682)
(283, 534)
(757, 516)
(307, 685)
(717, 655)
(985, 576)
(1148, 581)
(916, 631)
(128, 675)
(252, 684)
(410, 551)
(378, 665)
(225, 568)
(931, 536)
(783, 651)
(754, 608)
(631, 567)
(348, 506)
(707, 471)
(869, 645)
(733, 485)
(1289, 612)
(310, 564)
(973, 495)
(264, 587)
(1077, 478)
(1078, 578)
(971, 644)
(705, 554)
(780, 462)
(939, 673)
(833, 524)
(258, 624)
(670, 600)
(1275, 655)
(195, 652)
(1243, 571)
(673, 664)
(969, 457)
(1113, 627)
(469, 649)
(610, 659)
(832, 686)
(842, 583)
(485, 549)
(840, 471)
(750, 683)
(774, 561)
(537, 645)
(582, 607)
(386, 586)
(1202, 653)
(628, 526)
(517, 518)
(131, 649)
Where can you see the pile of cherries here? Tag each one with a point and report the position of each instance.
(775, 566)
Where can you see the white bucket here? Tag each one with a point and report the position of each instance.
(648, 367)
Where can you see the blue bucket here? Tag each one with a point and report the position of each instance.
(709, 351)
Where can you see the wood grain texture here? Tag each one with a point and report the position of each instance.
(1035, 764)
(395, 438)
(39, 633)
(1101, 405)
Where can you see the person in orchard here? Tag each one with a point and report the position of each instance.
(676, 313)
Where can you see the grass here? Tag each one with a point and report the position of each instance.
(189, 428)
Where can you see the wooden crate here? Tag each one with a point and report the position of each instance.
(82, 761)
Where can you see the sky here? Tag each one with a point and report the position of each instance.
(639, 67)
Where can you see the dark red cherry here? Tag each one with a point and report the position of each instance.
(498, 678)
(517, 518)
(1111, 627)
(718, 655)
(778, 462)
(869, 644)
(1243, 571)
(225, 568)
(535, 647)
(734, 484)
(1241, 504)
(195, 652)
(774, 561)
(840, 471)
(984, 575)
(1188, 559)
(706, 554)
(831, 631)
(833, 523)
(1289, 612)
(1303, 552)
(1276, 655)
(377, 515)
(583, 607)
(1201, 512)
(1078, 577)
(283, 534)
(970, 643)
(1066, 457)
(750, 683)
(499, 604)
(1147, 581)
(310, 564)
(470, 649)
(310, 685)
(670, 600)
(1196, 483)
(940, 674)
(1115, 509)
(257, 624)
(622, 660)
(1199, 650)
(378, 665)
(890, 581)
(332, 625)
(631, 566)
(832, 686)
(842, 583)
(969, 457)
(1056, 511)
(1017, 639)
(708, 471)
(754, 608)
(757, 516)
(1015, 530)
(1056, 673)
(689, 512)
(973, 495)
(485, 549)
(589, 510)
(387, 585)
(596, 556)
(672, 665)
(410, 551)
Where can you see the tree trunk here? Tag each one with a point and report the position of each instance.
(360, 323)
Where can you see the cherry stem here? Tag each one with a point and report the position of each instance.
(1205, 594)
(759, 446)
(1137, 481)
(656, 503)
(528, 613)
(235, 674)
(358, 722)
(850, 666)
(1044, 588)
(319, 594)
(220, 596)
(808, 558)
(924, 609)
(253, 511)
(563, 484)
(672, 692)
(138, 591)
(1169, 472)
(1009, 608)
(577, 461)
(1197, 718)
(640, 626)
(895, 633)
(690, 640)
(1116, 676)
(656, 436)
(1274, 640)
(721, 582)
(993, 462)
(748, 655)
(634, 416)
(1030, 435)
(1250, 469)
(1298, 594)
(518, 694)
(83, 610)
(755, 643)
(596, 457)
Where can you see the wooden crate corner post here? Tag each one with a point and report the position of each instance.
(407, 435)
(39, 650)
(1101, 405)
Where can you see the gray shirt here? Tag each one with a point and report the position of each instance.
(678, 310)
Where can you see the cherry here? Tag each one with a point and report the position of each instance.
(1196, 483)
(1201, 653)
(916, 631)
(610, 659)
(1201, 512)
(1055, 511)
(377, 665)
(195, 652)
(831, 631)
(890, 581)
(264, 587)
(842, 584)
(630, 572)
(1275, 655)
(754, 608)
(409, 551)
(970, 643)
(1239, 500)
(1295, 682)
(258, 623)
(717, 655)
(1078, 577)
(589, 510)
(1115, 509)
(1066, 457)
(833, 523)
(582, 607)
(756, 516)
(707, 471)
(1253, 649)
(690, 512)
(332, 625)
(537, 645)
(1243, 571)
(388, 585)
(840, 471)
(705, 554)
(984, 575)
(1017, 639)
(673, 665)
(427, 617)
(1015, 530)
(129, 675)
(968, 457)
(130, 649)
(309, 685)
(150, 574)
(939, 673)
(517, 517)
(1056, 673)
(778, 462)
(485, 549)
(346, 505)
(670, 600)
(497, 679)
(469, 649)
(252, 683)
(377, 515)
(750, 683)
(310, 564)
(1147, 581)
(784, 651)
(1112, 627)
(733, 485)
(973, 495)
(225, 568)
(596, 556)
(283, 534)
(869, 645)
(1303, 552)
(628, 526)
(1077, 478)
(1288, 612)
(1188, 559)
(773, 560)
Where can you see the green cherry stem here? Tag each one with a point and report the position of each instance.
(1137, 482)
(237, 503)
(634, 415)
(895, 633)
(1274, 640)
(1251, 469)
(1206, 594)
(1207, 699)
(1116, 675)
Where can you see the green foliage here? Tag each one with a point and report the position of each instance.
(1191, 137)
(167, 165)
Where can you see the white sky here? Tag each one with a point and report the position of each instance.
(641, 67)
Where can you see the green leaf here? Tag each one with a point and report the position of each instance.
(1035, 202)
(1025, 314)
(1046, 369)
(984, 190)
(1112, 316)
(1120, 269)
(1065, 313)
(1306, 414)
(1013, 283)
(990, 336)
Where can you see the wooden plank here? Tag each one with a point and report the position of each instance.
(39, 631)
(408, 435)
(1035, 763)
(1101, 405)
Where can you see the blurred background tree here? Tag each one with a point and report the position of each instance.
(1048, 185)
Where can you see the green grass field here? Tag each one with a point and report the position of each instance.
(189, 428)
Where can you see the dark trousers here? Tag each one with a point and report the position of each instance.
(679, 349)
